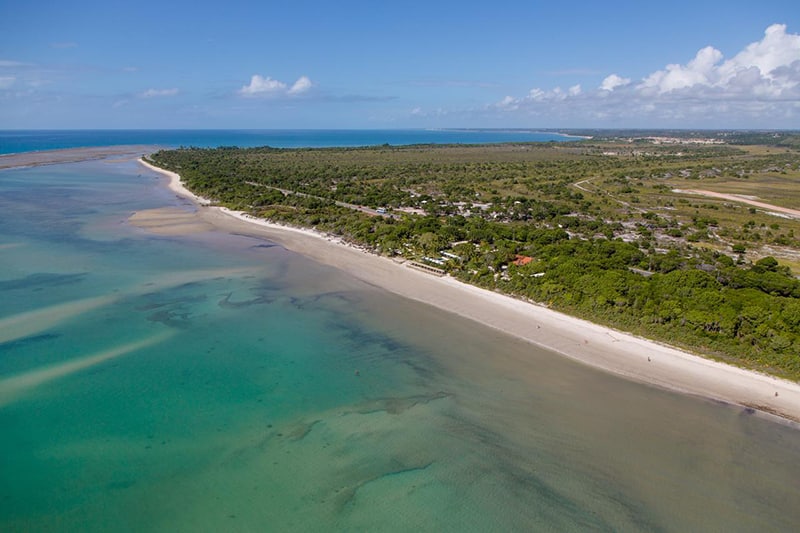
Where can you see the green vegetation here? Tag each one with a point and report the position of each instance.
(609, 236)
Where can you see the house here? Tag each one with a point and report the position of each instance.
(522, 260)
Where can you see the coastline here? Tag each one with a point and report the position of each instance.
(598, 346)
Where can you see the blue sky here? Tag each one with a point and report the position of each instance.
(410, 64)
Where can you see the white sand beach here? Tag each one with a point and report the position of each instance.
(176, 185)
(599, 346)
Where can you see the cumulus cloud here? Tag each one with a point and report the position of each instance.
(776, 50)
(156, 93)
(262, 86)
(699, 71)
(613, 81)
(509, 103)
(760, 84)
(302, 85)
(268, 87)
(764, 69)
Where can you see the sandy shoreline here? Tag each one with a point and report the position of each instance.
(598, 346)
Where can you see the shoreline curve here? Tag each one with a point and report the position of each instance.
(601, 347)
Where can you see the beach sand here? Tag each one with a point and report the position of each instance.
(598, 346)
(169, 221)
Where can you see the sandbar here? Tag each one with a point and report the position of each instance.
(169, 221)
(71, 155)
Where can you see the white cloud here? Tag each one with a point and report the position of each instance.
(613, 81)
(6, 81)
(262, 86)
(557, 94)
(302, 85)
(156, 93)
(766, 68)
(757, 87)
(439, 112)
(699, 71)
(538, 96)
(509, 103)
(774, 51)
(268, 87)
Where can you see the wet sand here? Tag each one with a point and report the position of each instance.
(71, 155)
(169, 221)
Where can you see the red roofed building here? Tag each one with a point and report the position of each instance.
(522, 260)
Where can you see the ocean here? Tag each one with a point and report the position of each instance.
(17, 141)
(215, 382)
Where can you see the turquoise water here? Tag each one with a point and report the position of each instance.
(16, 141)
(213, 382)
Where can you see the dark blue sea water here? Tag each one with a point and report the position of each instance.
(17, 141)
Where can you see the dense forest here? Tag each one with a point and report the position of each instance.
(611, 230)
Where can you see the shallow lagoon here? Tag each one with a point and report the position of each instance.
(213, 382)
